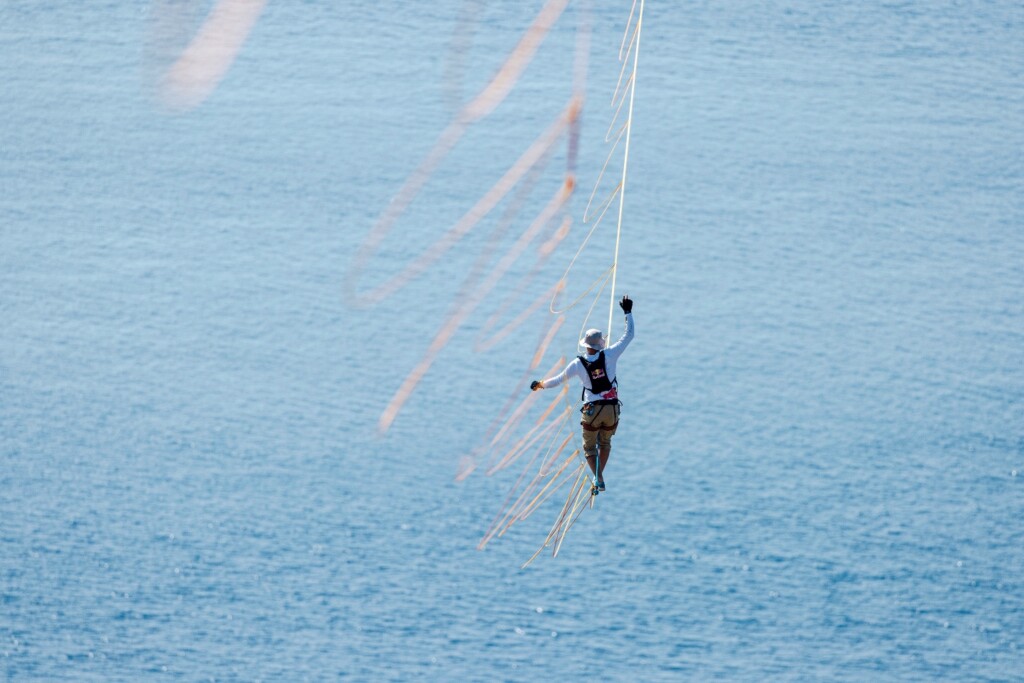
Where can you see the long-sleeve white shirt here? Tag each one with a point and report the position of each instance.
(576, 369)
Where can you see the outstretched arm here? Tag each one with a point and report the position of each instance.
(552, 382)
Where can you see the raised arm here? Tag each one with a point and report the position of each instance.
(627, 336)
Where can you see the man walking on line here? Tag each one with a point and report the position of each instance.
(596, 371)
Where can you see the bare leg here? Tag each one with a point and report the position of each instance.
(603, 458)
(590, 446)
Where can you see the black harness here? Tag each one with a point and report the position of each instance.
(599, 382)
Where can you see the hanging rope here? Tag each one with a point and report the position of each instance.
(625, 156)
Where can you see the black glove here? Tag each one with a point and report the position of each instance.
(535, 385)
(627, 304)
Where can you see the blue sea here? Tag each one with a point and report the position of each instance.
(819, 471)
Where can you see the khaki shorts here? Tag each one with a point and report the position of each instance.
(599, 427)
